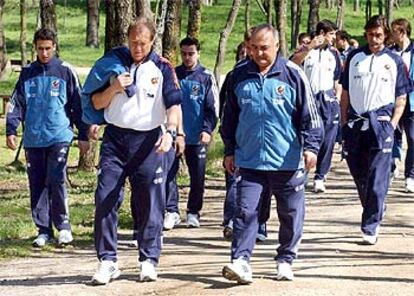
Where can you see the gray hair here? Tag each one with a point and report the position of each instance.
(267, 27)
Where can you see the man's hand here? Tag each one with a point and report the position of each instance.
(310, 160)
(83, 147)
(164, 143)
(93, 132)
(122, 81)
(179, 145)
(205, 138)
(229, 164)
(11, 142)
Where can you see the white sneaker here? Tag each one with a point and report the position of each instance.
(193, 221)
(319, 186)
(368, 239)
(284, 272)
(107, 271)
(41, 240)
(239, 271)
(65, 237)
(148, 273)
(171, 219)
(409, 185)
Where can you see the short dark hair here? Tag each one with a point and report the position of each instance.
(45, 34)
(146, 22)
(302, 36)
(343, 35)
(240, 49)
(404, 23)
(379, 21)
(189, 41)
(325, 26)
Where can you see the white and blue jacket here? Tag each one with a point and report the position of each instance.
(47, 99)
(200, 102)
(269, 120)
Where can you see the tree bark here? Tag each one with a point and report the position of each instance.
(247, 16)
(171, 36)
(356, 5)
(281, 11)
(48, 18)
(92, 24)
(87, 162)
(194, 19)
(160, 27)
(340, 14)
(143, 9)
(269, 8)
(224, 35)
(389, 11)
(3, 51)
(23, 32)
(313, 14)
(118, 17)
(368, 10)
(296, 12)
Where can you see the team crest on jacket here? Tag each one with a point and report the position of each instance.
(387, 67)
(55, 84)
(195, 90)
(280, 90)
(154, 80)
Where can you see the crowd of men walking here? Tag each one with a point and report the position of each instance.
(279, 118)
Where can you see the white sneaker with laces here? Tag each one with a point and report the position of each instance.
(41, 240)
(284, 272)
(65, 237)
(171, 220)
(319, 186)
(193, 221)
(238, 271)
(107, 271)
(409, 185)
(368, 239)
(148, 272)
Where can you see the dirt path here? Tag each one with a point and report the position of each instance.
(331, 260)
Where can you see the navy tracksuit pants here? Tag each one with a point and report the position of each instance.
(288, 187)
(230, 201)
(46, 169)
(129, 153)
(196, 159)
(370, 167)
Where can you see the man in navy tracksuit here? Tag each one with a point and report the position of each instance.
(401, 32)
(47, 100)
(199, 111)
(271, 131)
(137, 103)
(375, 83)
(322, 66)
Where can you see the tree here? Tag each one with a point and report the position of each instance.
(118, 17)
(160, 17)
(171, 36)
(48, 14)
(194, 18)
(224, 34)
(388, 10)
(368, 10)
(269, 9)
(296, 12)
(92, 24)
(143, 9)
(281, 7)
(356, 5)
(23, 32)
(3, 52)
(313, 14)
(340, 14)
(247, 16)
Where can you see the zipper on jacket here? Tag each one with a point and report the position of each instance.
(372, 61)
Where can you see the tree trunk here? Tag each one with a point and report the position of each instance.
(194, 19)
(23, 32)
(48, 18)
(269, 9)
(118, 17)
(247, 16)
(160, 26)
(313, 14)
(281, 11)
(368, 10)
(296, 12)
(380, 6)
(171, 36)
(92, 24)
(3, 52)
(340, 14)
(356, 5)
(87, 162)
(388, 11)
(224, 34)
(143, 9)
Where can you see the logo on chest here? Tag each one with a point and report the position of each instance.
(195, 90)
(54, 88)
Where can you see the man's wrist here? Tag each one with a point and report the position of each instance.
(173, 133)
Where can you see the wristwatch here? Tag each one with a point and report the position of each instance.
(173, 134)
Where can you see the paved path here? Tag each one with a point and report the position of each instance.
(331, 260)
